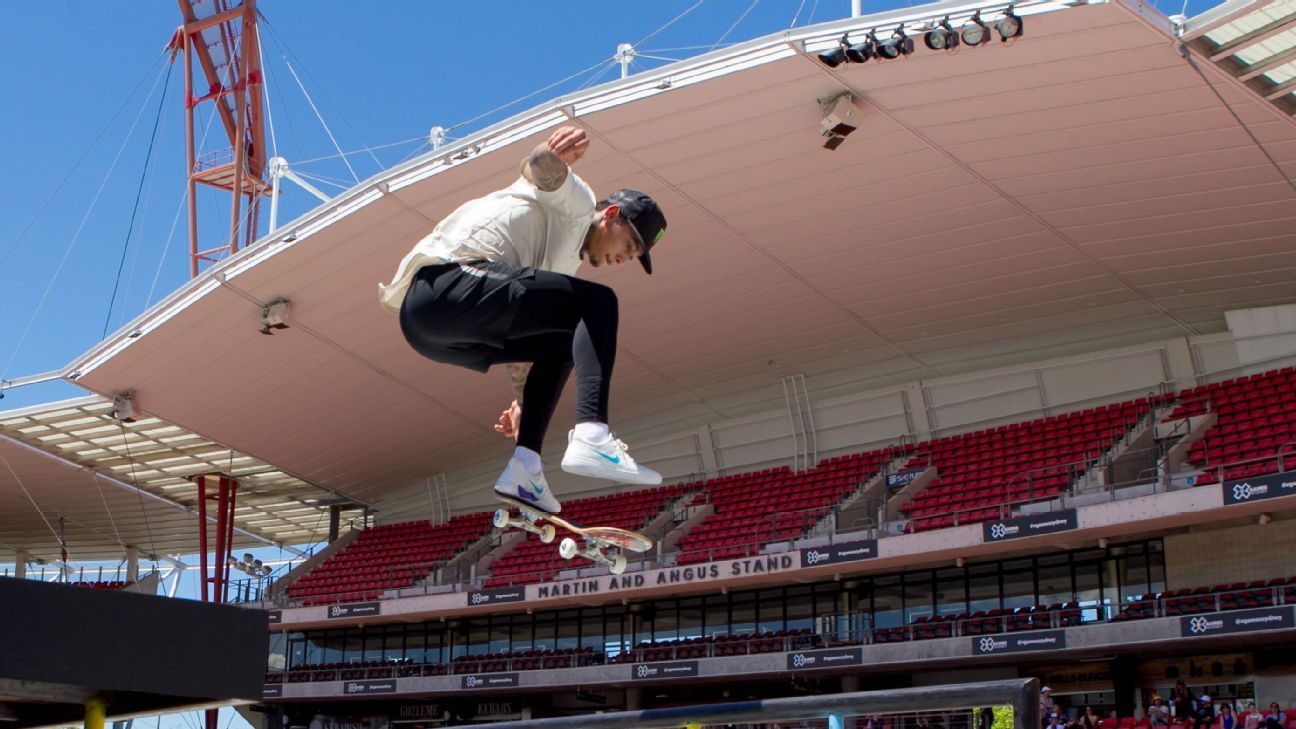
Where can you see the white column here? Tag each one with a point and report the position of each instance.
(132, 563)
(20, 564)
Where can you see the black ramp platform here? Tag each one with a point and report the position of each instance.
(62, 644)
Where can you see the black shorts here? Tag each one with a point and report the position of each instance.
(461, 313)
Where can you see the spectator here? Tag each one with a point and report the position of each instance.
(1088, 720)
(1251, 717)
(1203, 712)
(1046, 704)
(1227, 720)
(1276, 719)
(1158, 713)
(1181, 700)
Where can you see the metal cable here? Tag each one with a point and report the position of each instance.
(148, 528)
(139, 192)
(27, 493)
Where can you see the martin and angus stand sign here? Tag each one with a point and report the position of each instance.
(1029, 526)
(1246, 490)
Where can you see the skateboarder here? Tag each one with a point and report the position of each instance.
(493, 284)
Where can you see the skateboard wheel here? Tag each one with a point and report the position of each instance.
(501, 519)
(567, 548)
(618, 564)
(547, 533)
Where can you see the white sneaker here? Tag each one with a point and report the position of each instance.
(608, 459)
(515, 483)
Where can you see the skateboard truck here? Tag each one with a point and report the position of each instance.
(567, 549)
(527, 523)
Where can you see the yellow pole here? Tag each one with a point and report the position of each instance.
(94, 714)
(690, 725)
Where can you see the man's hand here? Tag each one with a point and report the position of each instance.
(509, 420)
(569, 144)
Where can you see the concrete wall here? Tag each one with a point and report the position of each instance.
(1208, 556)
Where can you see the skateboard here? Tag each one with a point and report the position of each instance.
(596, 540)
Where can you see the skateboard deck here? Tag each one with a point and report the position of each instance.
(597, 539)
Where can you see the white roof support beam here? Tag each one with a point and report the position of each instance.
(1259, 35)
(1260, 68)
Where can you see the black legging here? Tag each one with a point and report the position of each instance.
(563, 321)
(557, 322)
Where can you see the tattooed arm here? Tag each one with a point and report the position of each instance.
(547, 165)
(518, 372)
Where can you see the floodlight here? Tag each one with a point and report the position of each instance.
(1009, 26)
(975, 32)
(897, 45)
(231, 562)
(835, 57)
(266, 570)
(838, 120)
(861, 52)
(941, 37)
(248, 558)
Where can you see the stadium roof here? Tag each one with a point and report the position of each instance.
(69, 474)
(1084, 186)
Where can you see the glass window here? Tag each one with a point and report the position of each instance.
(591, 629)
(1132, 570)
(278, 659)
(373, 643)
(918, 596)
(769, 611)
(716, 619)
(500, 634)
(983, 588)
(568, 629)
(743, 611)
(521, 634)
(353, 645)
(951, 591)
(1054, 577)
(615, 622)
(1018, 584)
(437, 647)
(800, 608)
(1156, 567)
(828, 599)
(888, 602)
(690, 617)
(545, 633)
(666, 621)
(296, 650)
(478, 634)
(314, 648)
(395, 644)
(644, 630)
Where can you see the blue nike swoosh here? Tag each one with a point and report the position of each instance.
(538, 488)
(616, 459)
(526, 495)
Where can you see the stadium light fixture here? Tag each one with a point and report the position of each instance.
(836, 56)
(941, 37)
(974, 31)
(897, 45)
(1009, 26)
(861, 52)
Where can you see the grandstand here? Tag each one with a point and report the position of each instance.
(1000, 388)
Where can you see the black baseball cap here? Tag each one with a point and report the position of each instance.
(646, 219)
